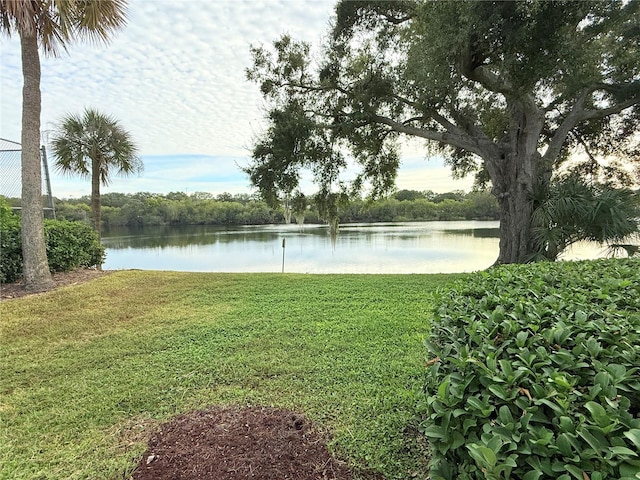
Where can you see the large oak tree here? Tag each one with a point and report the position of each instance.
(507, 90)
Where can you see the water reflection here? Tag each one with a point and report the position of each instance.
(425, 247)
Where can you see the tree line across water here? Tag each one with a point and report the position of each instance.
(179, 208)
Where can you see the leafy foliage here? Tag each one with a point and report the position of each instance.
(571, 210)
(70, 245)
(10, 243)
(534, 373)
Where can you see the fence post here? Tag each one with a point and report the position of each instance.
(283, 244)
(47, 179)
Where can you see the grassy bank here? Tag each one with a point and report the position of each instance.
(87, 371)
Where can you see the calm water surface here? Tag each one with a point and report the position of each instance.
(424, 247)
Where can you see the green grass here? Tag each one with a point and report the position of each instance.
(87, 372)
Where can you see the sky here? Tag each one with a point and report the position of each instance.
(174, 77)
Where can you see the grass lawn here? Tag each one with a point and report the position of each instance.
(87, 372)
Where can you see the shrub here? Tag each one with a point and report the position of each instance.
(70, 245)
(571, 210)
(10, 244)
(533, 372)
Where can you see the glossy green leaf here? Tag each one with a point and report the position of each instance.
(434, 431)
(634, 436)
(575, 471)
(597, 444)
(532, 475)
(564, 445)
(499, 391)
(443, 388)
(484, 456)
(598, 413)
(623, 451)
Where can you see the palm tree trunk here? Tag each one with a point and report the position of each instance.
(95, 199)
(95, 195)
(36, 274)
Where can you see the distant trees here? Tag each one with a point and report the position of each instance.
(178, 208)
(402, 195)
(96, 146)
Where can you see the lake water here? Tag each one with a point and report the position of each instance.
(416, 247)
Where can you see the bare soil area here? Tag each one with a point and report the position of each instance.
(17, 290)
(256, 443)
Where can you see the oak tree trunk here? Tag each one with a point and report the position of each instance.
(516, 209)
(36, 274)
(514, 175)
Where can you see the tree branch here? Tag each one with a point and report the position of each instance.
(472, 69)
(459, 140)
(612, 110)
(562, 132)
(587, 150)
(472, 133)
(579, 114)
(397, 20)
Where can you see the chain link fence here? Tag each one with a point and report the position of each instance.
(11, 177)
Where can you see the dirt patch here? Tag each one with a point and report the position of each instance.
(256, 443)
(75, 277)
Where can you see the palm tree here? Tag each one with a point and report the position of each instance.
(48, 24)
(94, 145)
(571, 210)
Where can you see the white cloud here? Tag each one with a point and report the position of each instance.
(175, 78)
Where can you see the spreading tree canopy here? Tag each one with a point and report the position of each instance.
(510, 91)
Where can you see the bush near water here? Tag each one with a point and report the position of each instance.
(70, 245)
(533, 372)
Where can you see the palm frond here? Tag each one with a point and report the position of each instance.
(59, 22)
(572, 210)
(94, 138)
(630, 249)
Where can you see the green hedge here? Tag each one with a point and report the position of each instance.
(70, 245)
(10, 244)
(533, 372)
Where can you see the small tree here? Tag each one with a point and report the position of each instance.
(299, 207)
(94, 145)
(571, 210)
